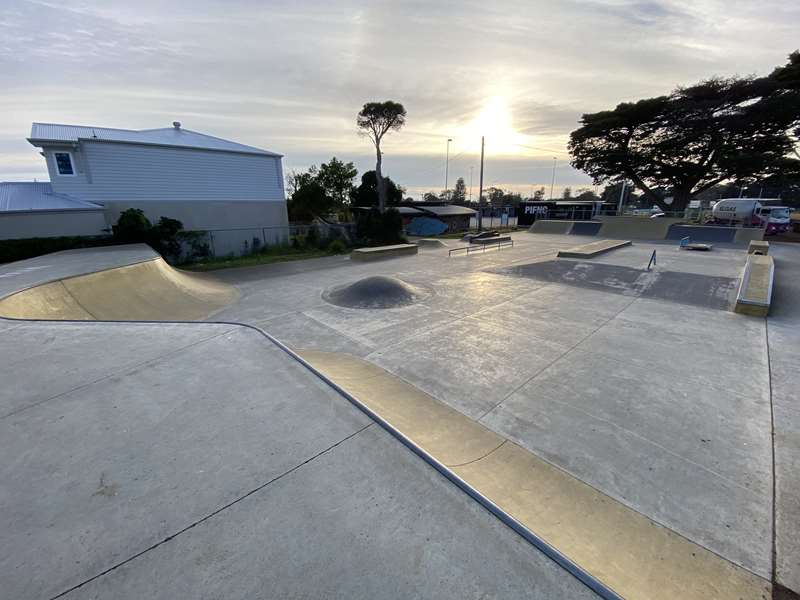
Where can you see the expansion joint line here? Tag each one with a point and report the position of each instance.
(214, 513)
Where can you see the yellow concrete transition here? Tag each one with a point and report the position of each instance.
(146, 291)
(593, 249)
(626, 551)
(755, 291)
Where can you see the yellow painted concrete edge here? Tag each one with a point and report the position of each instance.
(632, 555)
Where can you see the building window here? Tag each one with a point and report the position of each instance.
(64, 163)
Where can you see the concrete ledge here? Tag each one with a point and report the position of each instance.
(758, 247)
(498, 239)
(755, 291)
(551, 226)
(381, 252)
(593, 249)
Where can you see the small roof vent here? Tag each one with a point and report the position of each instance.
(176, 124)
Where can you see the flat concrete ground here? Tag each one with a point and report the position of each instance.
(201, 461)
(642, 384)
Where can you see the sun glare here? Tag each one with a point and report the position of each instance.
(495, 122)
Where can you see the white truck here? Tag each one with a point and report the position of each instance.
(751, 212)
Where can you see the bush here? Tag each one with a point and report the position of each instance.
(133, 227)
(337, 247)
(20, 249)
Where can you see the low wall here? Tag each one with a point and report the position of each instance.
(702, 233)
(755, 291)
(551, 226)
(16, 225)
(381, 252)
(747, 235)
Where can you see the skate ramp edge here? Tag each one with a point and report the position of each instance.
(147, 291)
(618, 552)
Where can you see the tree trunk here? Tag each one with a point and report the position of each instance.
(680, 200)
(380, 182)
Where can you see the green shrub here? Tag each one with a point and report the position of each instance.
(13, 250)
(337, 246)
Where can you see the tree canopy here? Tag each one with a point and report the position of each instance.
(737, 129)
(375, 120)
(336, 178)
(366, 194)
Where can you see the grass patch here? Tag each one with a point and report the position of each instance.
(264, 257)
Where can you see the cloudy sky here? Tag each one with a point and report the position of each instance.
(290, 76)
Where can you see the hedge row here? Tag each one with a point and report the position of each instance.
(12, 250)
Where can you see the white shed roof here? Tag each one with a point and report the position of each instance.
(167, 136)
(32, 195)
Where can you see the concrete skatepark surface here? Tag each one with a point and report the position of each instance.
(639, 386)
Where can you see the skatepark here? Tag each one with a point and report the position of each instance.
(499, 424)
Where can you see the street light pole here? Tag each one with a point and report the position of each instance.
(480, 192)
(553, 181)
(470, 184)
(447, 164)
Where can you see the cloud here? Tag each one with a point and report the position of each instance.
(290, 76)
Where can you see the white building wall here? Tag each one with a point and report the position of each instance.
(110, 171)
(16, 225)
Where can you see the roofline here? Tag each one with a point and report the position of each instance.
(40, 142)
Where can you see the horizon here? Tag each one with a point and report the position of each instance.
(292, 79)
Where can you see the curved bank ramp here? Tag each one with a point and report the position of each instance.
(166, 449)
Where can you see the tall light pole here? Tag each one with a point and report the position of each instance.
(470, 183)
(480, 192)
(447, 163)
(553, 181)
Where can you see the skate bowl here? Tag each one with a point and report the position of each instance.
(375, 292)
(146, 291)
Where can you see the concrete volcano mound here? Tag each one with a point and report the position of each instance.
(377, 291)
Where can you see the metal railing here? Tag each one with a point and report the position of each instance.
(482, 246)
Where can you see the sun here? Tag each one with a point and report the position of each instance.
(495, 123)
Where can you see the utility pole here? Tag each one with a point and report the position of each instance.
(470, 183)
(553, 181)
(447, 163)
(480, 192)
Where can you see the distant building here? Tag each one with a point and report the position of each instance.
(209, 184)
(420, 218)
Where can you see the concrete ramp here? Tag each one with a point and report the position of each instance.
(147, 291)
(637, 228)
(551, 226)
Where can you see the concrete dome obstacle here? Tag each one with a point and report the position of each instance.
(377, 291)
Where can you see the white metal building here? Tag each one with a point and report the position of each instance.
(209, 184)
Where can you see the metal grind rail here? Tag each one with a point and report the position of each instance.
(482, 246)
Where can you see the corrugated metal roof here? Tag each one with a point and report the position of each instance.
(449, 210)
(33, 195)
(168, 136)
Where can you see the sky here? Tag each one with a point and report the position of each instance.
(290, 76)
